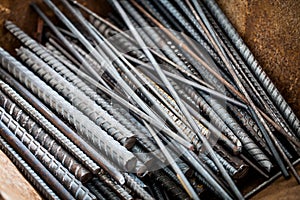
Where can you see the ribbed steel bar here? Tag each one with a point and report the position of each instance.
(153, 34)
(268, 135)
(95, 191)
(190, 29)
(119, 190)
(145, 94)
(61, 173)
(28, 171)
(168, 184)
(188, 50)
(37, 166)
(67, 74)
(145, 135)
(200, 60)
(68, 46)
(100, 20)
(184, 6)
(189, 94)
(156, 38)
(189, 135)
(102, 188)
(143, 65)
(260, 92)
(141, 192)
(129, 106)
(77, 98)
(50, 128)
(68, 161)
(256, 69)
(85, 127)
(121, 42)
(223, 114)
(61, 126)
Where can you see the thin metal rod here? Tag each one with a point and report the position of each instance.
(191, 83)
(178, 100)
(100, 56)
(123, 33)
(67, 44)
(183, 180)
(259, 119)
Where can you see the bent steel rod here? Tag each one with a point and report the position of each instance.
(177, 98)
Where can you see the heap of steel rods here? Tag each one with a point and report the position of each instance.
(162, 100)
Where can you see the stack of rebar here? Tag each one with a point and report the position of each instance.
(160, 100)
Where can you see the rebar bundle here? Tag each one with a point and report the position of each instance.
(161, 100)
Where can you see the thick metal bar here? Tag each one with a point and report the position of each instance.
(85, 127)
(77, 98)
(62, 127)
(43, 122)
(28, 171)
(37, 166)
(100, 56)
(56, 168)
(68, 161)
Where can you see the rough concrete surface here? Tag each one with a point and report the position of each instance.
(271, 30)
